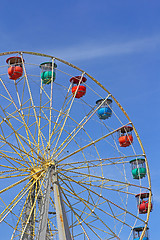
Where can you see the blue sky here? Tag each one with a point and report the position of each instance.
(115, 41)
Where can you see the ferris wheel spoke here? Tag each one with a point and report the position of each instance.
(79, 127)
(119, 183)
(67, 114)
(79, 200)
(21, 100)
(78, 146)
(20, 216)
(12, 160)
(33, 205)
(90, 144)
(17, 111)
(57, 129)
(9, 161)
(18, 151)
(30, 210)
(9, 208)
(63, 125)
(39, 122)
(69, 135)
(33, 106)
(22, 137)
(96, 207)
(24, 209)
(22, 114)
(8, 167)
(78, 217)
(98, 162)
(108, 187)
(7, 121)
(61, 112)
(58, 126)
(43, 116)
(74, 139)
(12, 175)
(27, 141)
(17, 136)
(105, 199)
(20, 181)
(86, 207)
(92, 211)
(12, 101)
(12, 170)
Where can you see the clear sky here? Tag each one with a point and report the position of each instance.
(115, 41)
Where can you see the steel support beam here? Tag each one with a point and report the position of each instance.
(43, 224)
(63, 227)
(29, 228)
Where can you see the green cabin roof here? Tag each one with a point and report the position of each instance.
(136, 159)
(50, 63)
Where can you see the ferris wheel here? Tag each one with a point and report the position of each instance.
(72, 165)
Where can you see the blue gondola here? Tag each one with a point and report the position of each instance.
(105, 110)
(137, 233)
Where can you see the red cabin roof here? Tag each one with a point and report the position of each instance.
(76, 79)
(126, 129)
(13, 60)
(143, 195)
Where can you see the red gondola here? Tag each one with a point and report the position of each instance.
(142, 202)
(125, 136)
(80, 90)
(15, 69)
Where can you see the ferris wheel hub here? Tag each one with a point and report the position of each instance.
(36, 172)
